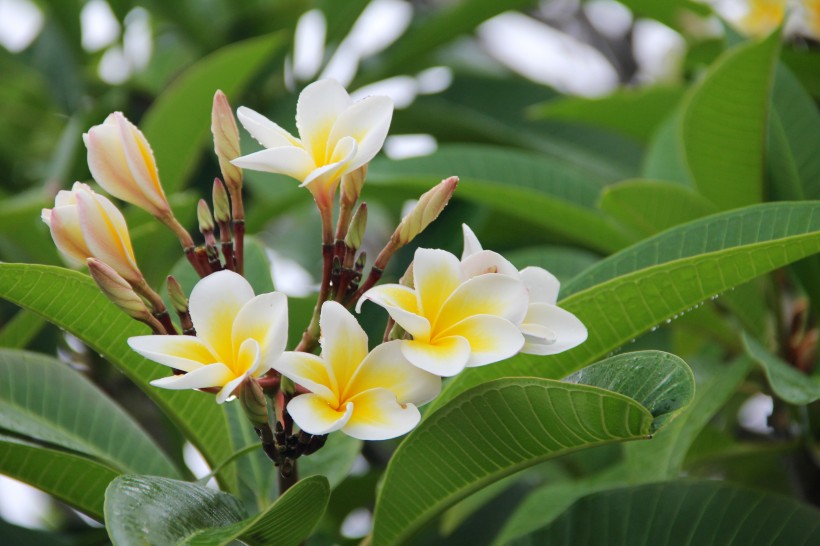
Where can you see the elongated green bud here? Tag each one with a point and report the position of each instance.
(203, 215)
(178, 299)
(351, 186)
(357, 226)
(426, 210)
(118, 290)
(254, 402)
(222, 205)
(226, 141)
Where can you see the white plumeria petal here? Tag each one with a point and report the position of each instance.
(288, 160)
(64, 224)
(226, 391)
(487, 261)
(313, 414)
(317, 109)
(247, 358)
(436, 275)
(447, 357)
(106, 235)
(368, 121)
(264, 319)
(213, 375)
(471, 243)
(344, 343)
(214, 304)
(489, 294)
(186, 353)
(377, 415)
(569, 331)
(402, 305)
(264, 131)
(386, 367)
(309, 371)
(541, 284)
(322, 181)
(491, 338)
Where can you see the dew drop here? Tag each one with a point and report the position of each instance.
(669, 321)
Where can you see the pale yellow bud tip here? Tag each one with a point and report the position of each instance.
(118, 290)
(426, 210)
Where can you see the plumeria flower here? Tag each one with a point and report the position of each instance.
(547, 328)
(337, 136)
(238, 336)
(121, 161)
(85, 224)
(455, 321)
(369, 396)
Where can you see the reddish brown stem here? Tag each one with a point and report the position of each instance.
(239, 245)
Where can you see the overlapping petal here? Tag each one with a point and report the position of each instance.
(488, 294)
(401, 303)
(344, 343)
(264, 319)
(491, 338)
(446, 356)
(186, 353)
(314, 415)
(207, 376)
(386, 367)
(214, 305)
(288, 160)
(436, 275)
(377, 415)
(566, 329)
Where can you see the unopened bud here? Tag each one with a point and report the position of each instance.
(178, 299)
(254, 402)
(360, 262)
(357, 226)
(118, 290)
(222, 205)
(226, 141)
(426, 210)
(407, 279)
(203, 215)
(351, 186)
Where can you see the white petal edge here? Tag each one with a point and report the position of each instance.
(344, 343)
(489, 294)
(313, 415)
(214, 375)
(471, 242)
(317, 109)
(377, 415)
(264, 131)
(396, 299)
(309, 371)
(491, 338)
(569, 330)
(265, 319)
(487, 261)
(186, 353)
(226, 391)
(367, 121)
(446, 359)
(542, 285)
(288, 160)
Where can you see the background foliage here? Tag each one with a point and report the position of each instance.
(679, 208)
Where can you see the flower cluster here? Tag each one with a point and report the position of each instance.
(445, 314)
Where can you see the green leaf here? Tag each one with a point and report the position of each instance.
(664, 159)
(663, 457)
(504, 426)
(147, 509)
(660, 382)
(683, 513)
(724, 124)
(73, 302)
(153, 510)
(659, 278)
(21, 329)
(287, 522)
(787, 382)
(544, 192)
(75, 480)
(178, 124)
(44, 399)
(649, 206)
(634, 113)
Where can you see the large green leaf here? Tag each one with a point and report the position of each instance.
(659, 278)
(683, 513)
(73, 302)
(724, 124)
(504, 426)
(44, 399)
(178, 124)
(21, 329)
(147, 509)
(650, 206)
(663, 457)
(664, 158)
(630, 112)
(75, 480)
(542, 191)
(787, 382)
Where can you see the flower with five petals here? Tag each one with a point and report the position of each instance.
(337, 136)
(455, 321)
(547, 328)
(369, 396)
(238, 336)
